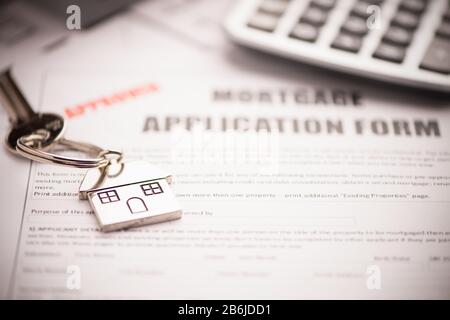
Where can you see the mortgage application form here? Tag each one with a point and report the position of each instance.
(288, 191)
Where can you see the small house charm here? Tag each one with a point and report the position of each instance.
(130, 194)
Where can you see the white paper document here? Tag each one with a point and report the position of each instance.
(288, 191)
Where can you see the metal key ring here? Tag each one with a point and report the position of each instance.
(26, 146)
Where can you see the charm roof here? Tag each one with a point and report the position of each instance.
(119, 175)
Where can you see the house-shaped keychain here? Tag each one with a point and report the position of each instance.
(130, 194)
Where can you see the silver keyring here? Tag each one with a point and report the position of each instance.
(28, 146)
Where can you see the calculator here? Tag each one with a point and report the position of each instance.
(398, 41)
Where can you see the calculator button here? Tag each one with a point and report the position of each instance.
(415, 6)
(377, 2)
(276, 7)
(263, 21)
(386, 51)
(447, 13)
(314, 16)
(437, 57)
(306, 32)
(324, 4)
(13, 30)
(406, 20)
(355, 25)
(347, 42)
(398, 36)
(360, 9)
(444, 30)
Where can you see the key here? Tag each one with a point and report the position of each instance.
(444, 30)
(13, 29)
(263, 21)
(324, 4)
(355, 25)
(406, 20)
(347, 42)
(122, 194)
(437, 57)
(23, 119)
(414, 6)
(390, 53)
(447, 13)
(360, 9)
(305, 32)
(275, 7)
(398, 36)
(314, 16)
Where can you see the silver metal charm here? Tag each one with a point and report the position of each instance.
(129, 194)
(122, 194)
